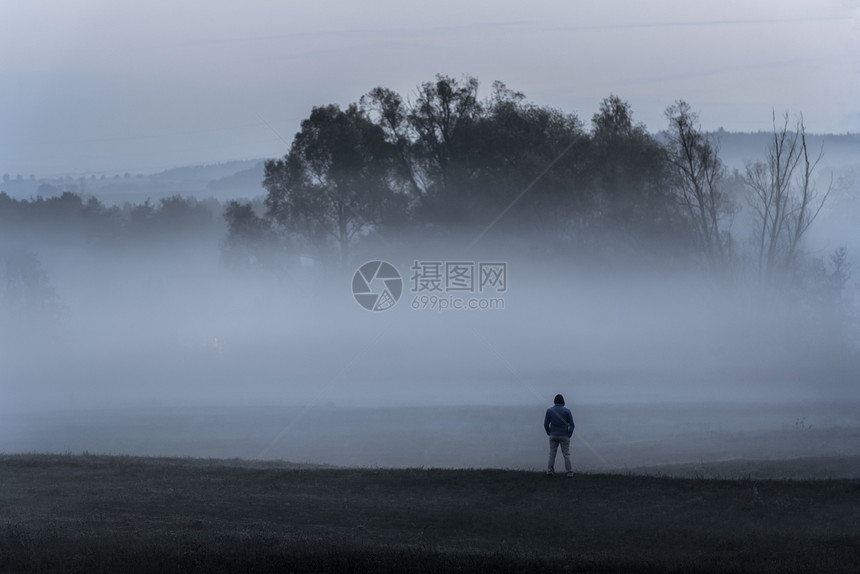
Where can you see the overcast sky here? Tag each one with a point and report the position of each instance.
(91, 87)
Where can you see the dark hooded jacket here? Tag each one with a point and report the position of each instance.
(558, 421)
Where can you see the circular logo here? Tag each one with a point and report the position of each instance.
(377, 286)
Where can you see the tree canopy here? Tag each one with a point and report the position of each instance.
(448, 160)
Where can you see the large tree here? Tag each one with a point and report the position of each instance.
(387, 109)
(442, 118)
(334, 184)
(527, 166)
(465, 160)
(627, 176)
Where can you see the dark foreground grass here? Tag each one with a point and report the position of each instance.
(126, 514)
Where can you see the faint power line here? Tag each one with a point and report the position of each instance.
(521, 194)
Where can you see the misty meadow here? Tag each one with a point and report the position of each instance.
(693, 294)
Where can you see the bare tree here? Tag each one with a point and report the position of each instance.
(783, 197)
(698, 173)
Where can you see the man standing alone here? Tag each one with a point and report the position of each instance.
(558, 424)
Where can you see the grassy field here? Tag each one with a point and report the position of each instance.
(90, 513)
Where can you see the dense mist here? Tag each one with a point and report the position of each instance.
(152, 330)
(166, 325)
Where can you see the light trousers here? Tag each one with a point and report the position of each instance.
(554, 443)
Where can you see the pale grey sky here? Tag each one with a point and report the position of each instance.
(97, 86)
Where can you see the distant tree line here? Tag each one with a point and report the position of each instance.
(70, 223)
(446, 163)
(74, 217)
